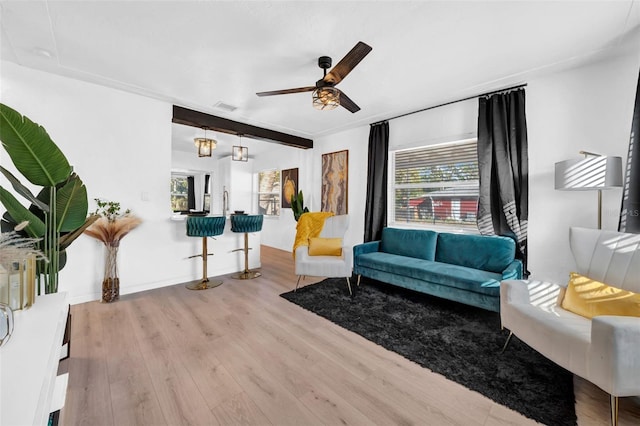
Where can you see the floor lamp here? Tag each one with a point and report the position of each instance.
(593, 172)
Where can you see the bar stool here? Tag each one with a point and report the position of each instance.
(204, 226)
(246, 224)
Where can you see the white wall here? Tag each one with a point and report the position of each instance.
(280, 231)
(357, 142)
(120, 145)
(588, 108)
(449, 123)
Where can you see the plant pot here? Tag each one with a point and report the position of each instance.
(111, 281)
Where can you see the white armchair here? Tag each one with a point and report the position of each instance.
(327, 266)
(604, 350)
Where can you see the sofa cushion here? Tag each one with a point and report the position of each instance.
(590, 298)
(484, 252)
(419, 244)
(461, 277)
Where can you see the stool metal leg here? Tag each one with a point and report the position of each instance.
(204, 283)
(246, 274)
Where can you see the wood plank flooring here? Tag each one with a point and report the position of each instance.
(240, 354)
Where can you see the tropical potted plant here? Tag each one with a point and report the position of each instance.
(297, 205)
(58, 213)
(111, 227)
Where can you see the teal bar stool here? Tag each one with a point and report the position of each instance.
(204, 227)
(246, 223)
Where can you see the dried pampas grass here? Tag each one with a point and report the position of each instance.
(110, 232)
(16, 248)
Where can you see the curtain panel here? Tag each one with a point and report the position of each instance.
(191, 194)
(630, 209)
(503, 168)
(375, 215)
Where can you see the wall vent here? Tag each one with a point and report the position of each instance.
(225, 107)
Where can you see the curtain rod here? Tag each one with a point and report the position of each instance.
(493, 92)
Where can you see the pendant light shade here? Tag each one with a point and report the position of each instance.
(240, 153)
(205, 145)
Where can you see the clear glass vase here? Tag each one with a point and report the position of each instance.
(111, 282)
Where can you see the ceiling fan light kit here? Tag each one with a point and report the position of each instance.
(325, 96)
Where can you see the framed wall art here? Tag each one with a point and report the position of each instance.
(335, 182)
(289, 186)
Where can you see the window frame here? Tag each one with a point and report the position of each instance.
(392, 221)
(177, 175)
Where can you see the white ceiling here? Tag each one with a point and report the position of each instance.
(198, 53)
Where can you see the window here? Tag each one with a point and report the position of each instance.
(269, 192)
(179, 193)
(435, 186)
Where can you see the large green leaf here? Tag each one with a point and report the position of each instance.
(23, 190)
(67, 239)
(72, 205)
(19, 213)
(31, 149)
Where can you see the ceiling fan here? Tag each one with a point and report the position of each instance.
(325, 94)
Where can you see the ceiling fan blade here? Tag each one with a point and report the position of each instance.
(348, 63)
(287, 91)
(347, 103)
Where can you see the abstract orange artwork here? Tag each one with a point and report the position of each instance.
(335, 180)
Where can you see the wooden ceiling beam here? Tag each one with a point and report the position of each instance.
(199, 119)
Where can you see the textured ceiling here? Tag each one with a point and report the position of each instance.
(196, 54)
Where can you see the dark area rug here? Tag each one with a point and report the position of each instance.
(460, 342)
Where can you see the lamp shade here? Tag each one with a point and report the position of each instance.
(205, 146)
(591, 173)
(240, 153)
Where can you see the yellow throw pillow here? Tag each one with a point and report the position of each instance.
(590, 298)
(325, 246)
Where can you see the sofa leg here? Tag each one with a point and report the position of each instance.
(614, 410)
(358, 284)
(298, 282)
(349, 285)
(507, 342)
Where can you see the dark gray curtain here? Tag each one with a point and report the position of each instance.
(630, 210)
(503, 167)
(191, 195)
(375, 214)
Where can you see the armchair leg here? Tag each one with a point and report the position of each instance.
(298, 282)
(507, 342)
(358, 280)
(614, 410)
(349, 285)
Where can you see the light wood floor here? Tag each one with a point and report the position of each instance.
(240, 354)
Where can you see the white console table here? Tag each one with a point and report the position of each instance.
(29, 363)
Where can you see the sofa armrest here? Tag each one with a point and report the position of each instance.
(370, 247)
(614, 359)
(531, 292)
(513, 271)
(517, 295)
(347, 254)
(302, 255)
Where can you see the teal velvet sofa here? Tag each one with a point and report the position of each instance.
(460, 267)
